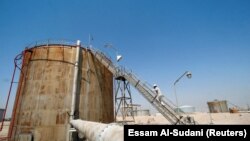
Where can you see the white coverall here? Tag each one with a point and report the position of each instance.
(159, 95)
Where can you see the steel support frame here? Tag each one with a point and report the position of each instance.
(123, 100)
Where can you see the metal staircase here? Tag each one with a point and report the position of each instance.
(165, 109)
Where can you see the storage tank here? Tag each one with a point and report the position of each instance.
(218, 106)
(1, 114)
(47, 83)
(187, 109)
(141, 112)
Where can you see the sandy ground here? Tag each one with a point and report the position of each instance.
(5, 129)
(201, 118)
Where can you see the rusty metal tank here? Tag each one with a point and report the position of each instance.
(217, 106)
(43, 101)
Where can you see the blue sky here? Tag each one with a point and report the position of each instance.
(159, 40)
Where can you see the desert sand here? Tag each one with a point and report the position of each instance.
(5, 129)
(200, 118)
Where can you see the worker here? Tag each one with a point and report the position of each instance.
(159, 95)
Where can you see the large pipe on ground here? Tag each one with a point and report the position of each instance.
(94, 131)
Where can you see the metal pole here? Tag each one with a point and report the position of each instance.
(177, 104)
(180, 77)
(185, 73)
(74, 88)
(122, 100)
(6, 106)
(75, 81)
(108, 45)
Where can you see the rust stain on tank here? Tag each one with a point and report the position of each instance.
(47, 88)
(61, 118)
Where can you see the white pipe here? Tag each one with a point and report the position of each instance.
(74, 89)
(94, 131)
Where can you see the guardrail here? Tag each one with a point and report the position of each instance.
(52, 42)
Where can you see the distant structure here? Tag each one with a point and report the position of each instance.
(187, 109)
(217, 106)
(137, 111)
(1, 114)
(142, 112)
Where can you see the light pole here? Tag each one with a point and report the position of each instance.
(118, 57)
(189, 75)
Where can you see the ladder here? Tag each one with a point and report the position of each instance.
(165, 109)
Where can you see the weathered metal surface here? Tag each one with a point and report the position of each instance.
(24, 137)
(218, 106)
(45, 94)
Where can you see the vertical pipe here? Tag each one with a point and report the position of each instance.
(18, 93)
(75, 79)
(177, 103)
(6, 106)
(74, 89)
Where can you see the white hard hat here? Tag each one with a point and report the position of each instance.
(155, 85)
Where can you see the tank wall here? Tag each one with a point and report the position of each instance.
(141, 113)
(218, 106)
(97, 97)
(45, 95)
